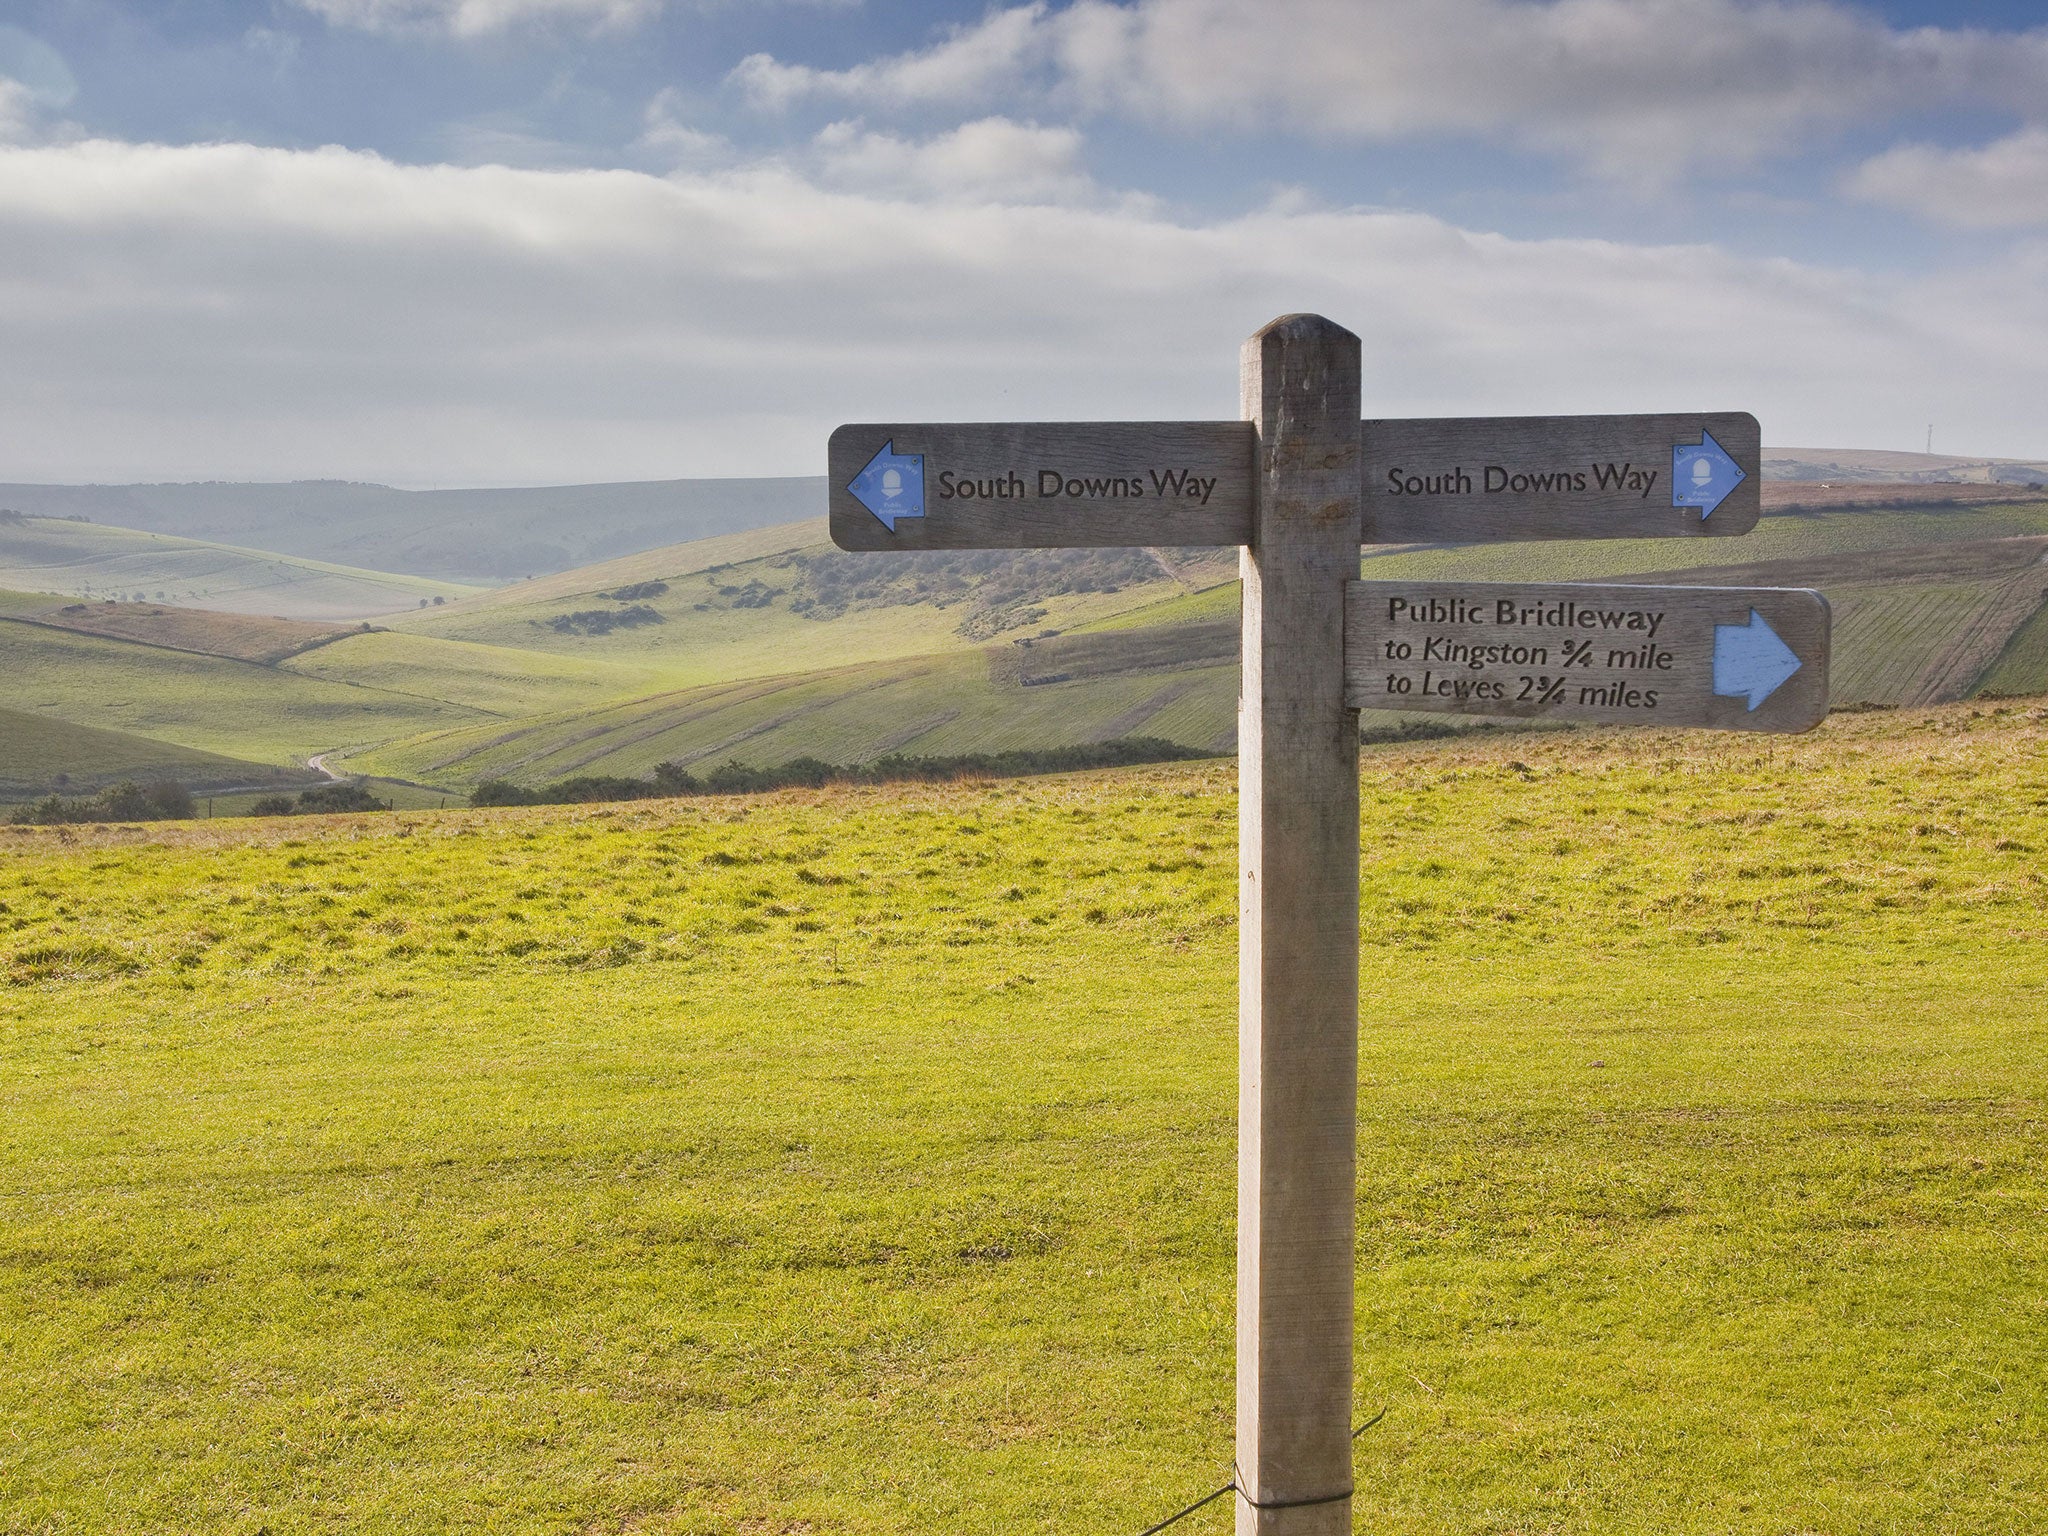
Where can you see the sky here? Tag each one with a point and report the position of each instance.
(497, 242)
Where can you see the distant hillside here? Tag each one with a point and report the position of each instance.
(463, 535)
(96, 562)
(1877, 464)
(769, 644)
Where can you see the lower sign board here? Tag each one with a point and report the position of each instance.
(1478, 479)
(1727, 658)
(1041, 485)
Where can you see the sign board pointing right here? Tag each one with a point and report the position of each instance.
(1483, 479)
(1730, 658)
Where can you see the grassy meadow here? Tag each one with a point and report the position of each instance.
(863, 1160)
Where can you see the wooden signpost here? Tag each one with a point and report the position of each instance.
(1299, 483)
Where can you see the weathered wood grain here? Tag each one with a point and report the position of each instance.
(1065, 485)
(1453, 480)
(1619, 654)
(1298, 938)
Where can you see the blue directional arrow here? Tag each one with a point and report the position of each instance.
(1702, 474)
(1751, 659)
(891, 485)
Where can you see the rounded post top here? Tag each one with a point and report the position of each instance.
(1304, 327)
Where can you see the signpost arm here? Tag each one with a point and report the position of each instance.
(1298, 937)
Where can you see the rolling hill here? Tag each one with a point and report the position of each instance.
(768, 644)
(1927, 603)
(455, 535)
(216, 704)
(91, 561)
(1870, 465)
(39, 755)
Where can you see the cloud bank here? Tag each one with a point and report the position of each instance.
(1638, 89)
(239, 312)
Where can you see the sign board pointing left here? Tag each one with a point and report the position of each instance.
(1729, 658)
(1041, 485)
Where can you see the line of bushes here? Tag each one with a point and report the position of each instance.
(813, 773)
(126, 801)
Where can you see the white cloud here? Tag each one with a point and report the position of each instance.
(476, 18)
(991, 160)
(987, 59)
(1634, 88)
(665, 133)
(1998, 185)
(233, 311)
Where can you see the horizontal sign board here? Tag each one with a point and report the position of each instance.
(1041, 485)
(1728, 658)
(1483, 479)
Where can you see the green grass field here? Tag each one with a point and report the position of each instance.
(47, 554)
(862, 1161)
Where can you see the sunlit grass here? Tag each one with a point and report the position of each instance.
(864, 1160)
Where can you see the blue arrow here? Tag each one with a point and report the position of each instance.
(1702, 474)
(891, 485)
(1751, 659)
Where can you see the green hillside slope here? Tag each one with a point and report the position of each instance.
(496, 680)
(2022, 668)
(765, 645)
(39, 755)
(91, 560)
(1912, 624)
(977, 702)
(209, 703)
(705, 614)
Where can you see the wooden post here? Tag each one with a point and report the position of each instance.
(1298, 938)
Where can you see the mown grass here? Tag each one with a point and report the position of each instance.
(2023, 667)
(863, 1160)
(1887, 637)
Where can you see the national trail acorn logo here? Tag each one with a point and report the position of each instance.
(891, 485)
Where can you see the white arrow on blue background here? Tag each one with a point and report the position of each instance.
(891, 485)
(1702, 474)
(1751, 659)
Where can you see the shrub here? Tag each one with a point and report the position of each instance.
(322, 800)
